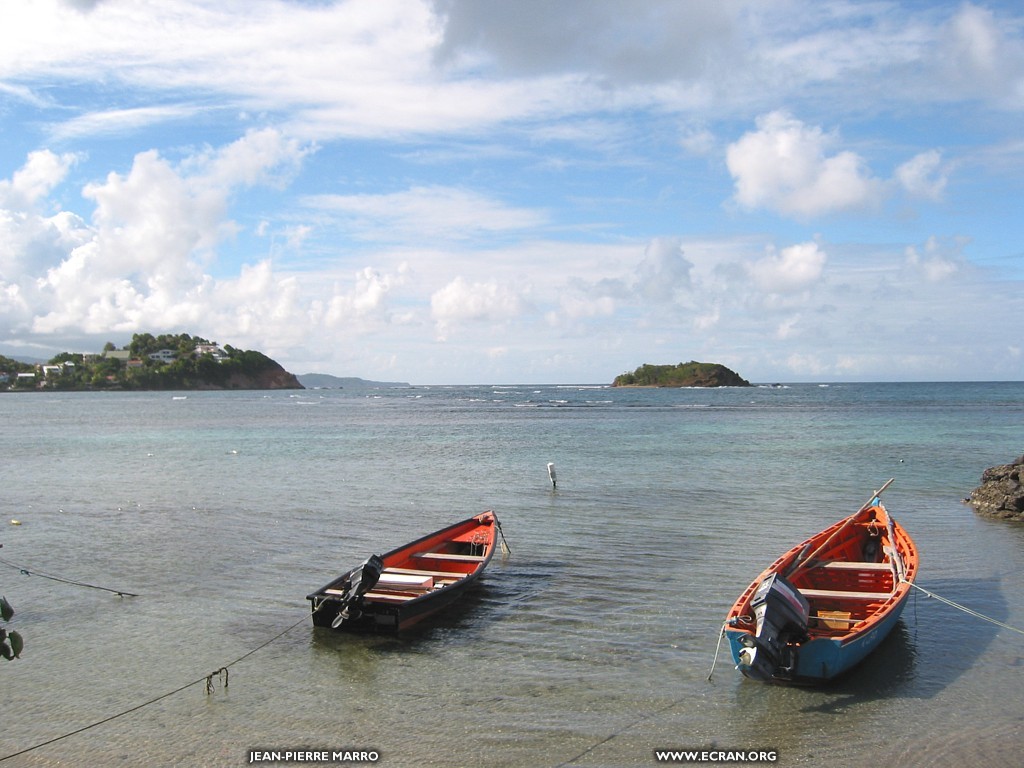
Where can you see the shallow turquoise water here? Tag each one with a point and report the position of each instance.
(589, 645)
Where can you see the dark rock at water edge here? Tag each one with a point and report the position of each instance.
(1001, 494)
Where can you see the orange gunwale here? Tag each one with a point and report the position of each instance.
(831, 570)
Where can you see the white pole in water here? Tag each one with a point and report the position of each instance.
(551, 474)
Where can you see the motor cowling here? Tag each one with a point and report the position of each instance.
(781, 614)
(357, 583)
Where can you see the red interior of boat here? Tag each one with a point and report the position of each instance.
(442, 561)
(845, 573)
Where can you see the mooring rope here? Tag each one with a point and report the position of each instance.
(505, 548)
(717, 649)
(965, 609)
(28, 572)
(221, 673)
(622, 730)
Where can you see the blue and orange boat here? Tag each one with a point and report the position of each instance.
(824, 605)
(392, 592)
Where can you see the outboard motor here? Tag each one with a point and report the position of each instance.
(357, 583)
(781, 613)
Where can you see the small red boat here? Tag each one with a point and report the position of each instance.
(392, 592)
(824, 605)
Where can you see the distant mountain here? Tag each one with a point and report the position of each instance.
(326, 381)
(27, 360)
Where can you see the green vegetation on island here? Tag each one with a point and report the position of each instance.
(691, 374)
(166, 362)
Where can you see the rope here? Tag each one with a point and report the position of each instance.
(717, 649)
(648, 716)
(965, 609)
(27, 572)
(221, 673)
(622, 730)
(505, 548)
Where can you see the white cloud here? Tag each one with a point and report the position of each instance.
(118, 121)
(138, 265)
(976, 39)
(664, 270)
(574, 307)
(461, 302)
(42, 171)
(698, 140)
(785, 166)
(937, 262)
(428, 213)
(793, 269)
(923, 175)
(366, 300)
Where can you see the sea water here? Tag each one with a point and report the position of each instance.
(590, 644)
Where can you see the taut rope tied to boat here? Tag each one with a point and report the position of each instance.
(505, 548)
(718, 648)
(965, 609)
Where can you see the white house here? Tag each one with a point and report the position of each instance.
(164, 356)
(213, 350)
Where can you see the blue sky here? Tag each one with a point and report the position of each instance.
(478, 191)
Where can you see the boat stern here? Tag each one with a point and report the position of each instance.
(781, 617)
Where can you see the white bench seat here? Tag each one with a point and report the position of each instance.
(435, 574)
(452, 557)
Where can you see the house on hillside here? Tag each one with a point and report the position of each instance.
(164, 356)
(213, 350)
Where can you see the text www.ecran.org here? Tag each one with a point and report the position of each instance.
(715, 756)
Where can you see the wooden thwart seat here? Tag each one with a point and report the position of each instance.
(396, 597)
(842, 565)
(452, 557)
(844, 595)
(435, 574)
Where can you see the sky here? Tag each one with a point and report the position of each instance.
(484, 191)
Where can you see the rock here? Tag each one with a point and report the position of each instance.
(1001, 493)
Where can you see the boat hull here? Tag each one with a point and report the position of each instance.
(384, 618)
(824, 605)
(822, 659)
(446, 564)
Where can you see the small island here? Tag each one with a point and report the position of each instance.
(166, 362)
(691, 374)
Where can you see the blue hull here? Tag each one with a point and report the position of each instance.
(822, 658)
